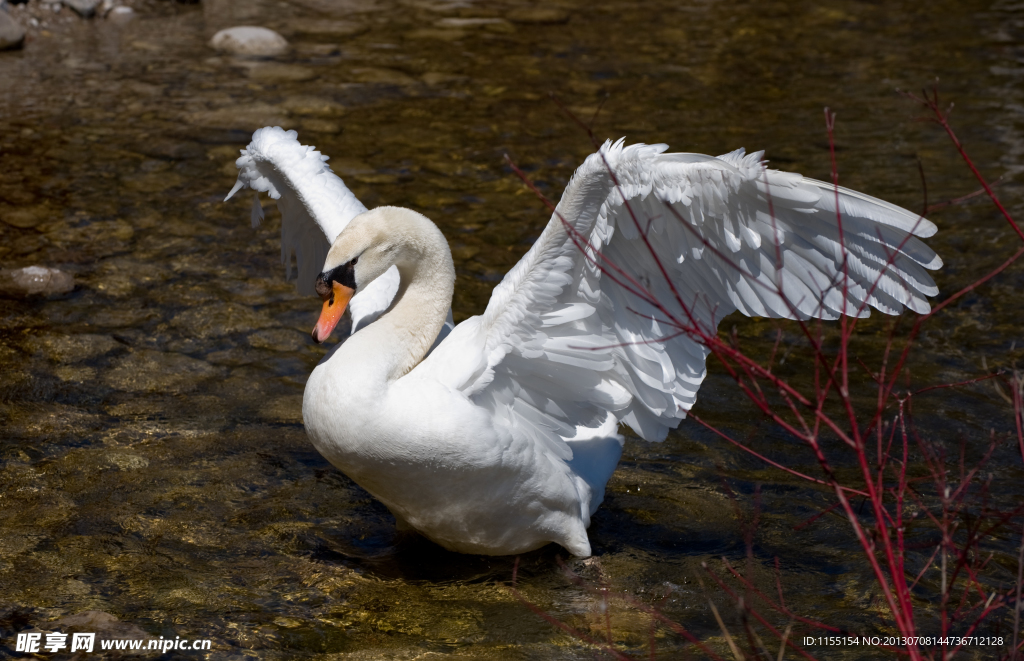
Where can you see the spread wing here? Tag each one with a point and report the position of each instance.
(562, 347)
(315, 204)
(315, 207)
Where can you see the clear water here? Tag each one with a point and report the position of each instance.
(153, 463)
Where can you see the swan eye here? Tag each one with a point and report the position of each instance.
(346, 274)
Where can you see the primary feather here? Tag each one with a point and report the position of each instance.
(561, 345)
(315, 205)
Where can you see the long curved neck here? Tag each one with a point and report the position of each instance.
(408, 329)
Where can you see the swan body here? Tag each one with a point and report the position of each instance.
(499, 437)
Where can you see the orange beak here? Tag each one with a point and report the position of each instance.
(334, 307)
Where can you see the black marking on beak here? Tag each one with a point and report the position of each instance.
(344, 275)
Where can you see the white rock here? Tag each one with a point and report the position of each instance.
(121, 14)
(35, 280)
(84, 8)
(12, 35)
(249, 41)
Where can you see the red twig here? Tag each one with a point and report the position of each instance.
(882, 482)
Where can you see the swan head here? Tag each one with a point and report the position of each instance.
(371, 243)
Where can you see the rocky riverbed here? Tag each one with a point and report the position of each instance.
(154, 472)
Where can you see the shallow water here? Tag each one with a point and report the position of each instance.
(154, 464)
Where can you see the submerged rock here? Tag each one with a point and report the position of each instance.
(12, 35)
(103, 624)
(274, 72)
(33, 280)
(121, 14)
(219, 319)
(25, 217)
(70, 348)
(84, 8)
(538, 16)
(168, 372)
(249, 41)
(321, 28)
(313, 106)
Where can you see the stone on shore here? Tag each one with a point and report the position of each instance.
(12, 35)
(249, 41)
(84, 8)
(33, 280)
(121, 14)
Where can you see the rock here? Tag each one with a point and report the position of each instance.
(70, 348)
(316, 125)
(320, 28)
(25, 217)
(167, 372)
(104, 625)
(84, 8)
(490, 24)
(538, 16)
(381, 76)
(446, 34)
(287, 409)
(33, 280)
(247, 117)
(12, 35)
(121, 14)
(249, 41)
(313, 106)
(279, 339)
(218, 320)
(438, 78)
(281, 73)
(317, 50)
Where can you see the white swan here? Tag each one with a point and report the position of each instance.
(502, 439)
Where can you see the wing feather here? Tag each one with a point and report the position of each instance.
(561, 344)
(315, 204)
(315, 207)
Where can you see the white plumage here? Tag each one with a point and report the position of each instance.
(315, 206)
(506, 433)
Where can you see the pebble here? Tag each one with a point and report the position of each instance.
(121, 14)
(279, 339)
(286, 409)
(316, 125)
(159, 371)
(84, 8)
(104, 625)
(218, 320)
(12, 35)
(439, 78)
(281, 73)
(318, 50)
(25, 217)
(249, 41)
(538, 16)
(490, 24)
(248, 118)
(33, 280)
(381, 76)
(313, 106)
(70, 348)
(445, 34)
(321, 28)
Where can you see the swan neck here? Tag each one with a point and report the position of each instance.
(420, 307)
